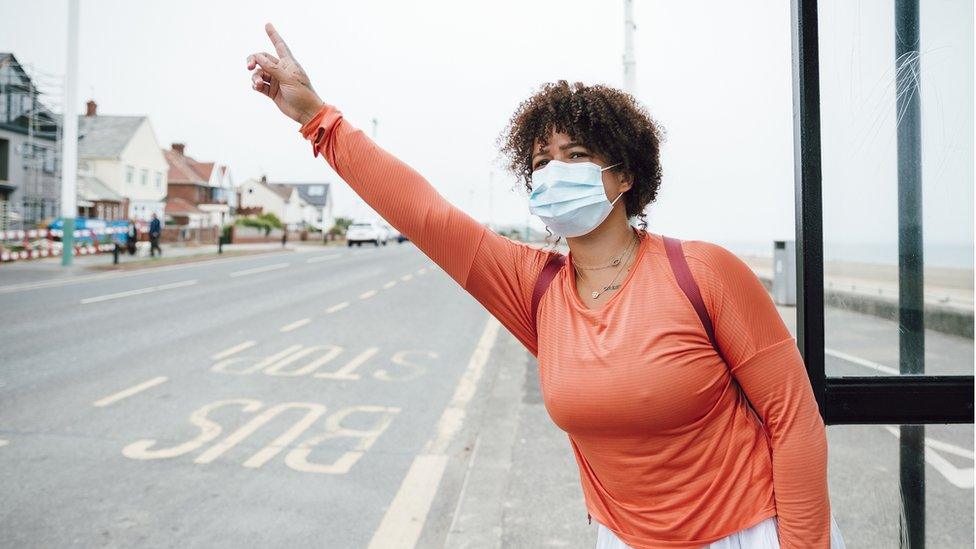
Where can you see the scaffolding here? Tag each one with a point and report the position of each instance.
(37, 184)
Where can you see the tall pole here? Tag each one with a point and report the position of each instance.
(69, 140)
(911, 319)
(630, 64)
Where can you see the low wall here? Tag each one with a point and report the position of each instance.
(181, 235)
(240, 234)
(941, 318)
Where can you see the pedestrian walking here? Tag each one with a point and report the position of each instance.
(684, 396)
(155, 231)
(131, 237)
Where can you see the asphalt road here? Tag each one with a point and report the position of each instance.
(274, 400)
(333, 397)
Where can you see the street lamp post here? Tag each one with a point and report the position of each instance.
(69, 140)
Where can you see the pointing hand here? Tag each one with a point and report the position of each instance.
(283, 80)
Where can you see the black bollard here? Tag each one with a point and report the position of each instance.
(115, 254)
(220, 244)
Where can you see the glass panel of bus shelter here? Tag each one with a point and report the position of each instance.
(864, 477)
(897, 122)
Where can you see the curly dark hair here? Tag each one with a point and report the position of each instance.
(610, 122)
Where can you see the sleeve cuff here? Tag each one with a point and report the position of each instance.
(314, 129)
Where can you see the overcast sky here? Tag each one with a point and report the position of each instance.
(443, 78)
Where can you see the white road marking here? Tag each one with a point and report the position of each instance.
(421, 271)
(389, 284)
(406, 277)
(235, 349)
(4, 442)
(130, 391)
(321, 258)
(862, 362)
(264, 269)
(960, 477)
(405, 518)
(140, 291)
(295, 325)
(367, 295)
(337, 307)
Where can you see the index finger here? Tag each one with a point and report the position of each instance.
(279, 44)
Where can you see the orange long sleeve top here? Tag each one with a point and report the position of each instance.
(669, 453)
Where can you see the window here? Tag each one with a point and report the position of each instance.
(144, 177)
(159, 180)
(129, 174)
(316, 190)
(4, 159)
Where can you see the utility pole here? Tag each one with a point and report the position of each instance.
(69, 142)
(630, 64)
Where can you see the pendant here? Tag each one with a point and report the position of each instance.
(595, 295)
(615, 262)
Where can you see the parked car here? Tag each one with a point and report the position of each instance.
(365, 231)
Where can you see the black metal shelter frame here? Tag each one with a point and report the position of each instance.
(912, 399)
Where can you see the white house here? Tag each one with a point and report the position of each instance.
(122, 153)
(284, 202)
(317, 200)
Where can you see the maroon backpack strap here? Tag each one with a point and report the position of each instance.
(555, 262)
(679, 265)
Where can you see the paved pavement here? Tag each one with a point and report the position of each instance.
(333, 397)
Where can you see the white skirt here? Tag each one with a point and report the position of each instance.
(760, 536)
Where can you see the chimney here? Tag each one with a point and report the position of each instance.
(264, 179)
(92, 108)
(178, 147)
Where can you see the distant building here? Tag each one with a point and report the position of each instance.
(122, 153)
(30, 187)
(317, 210)
(97, 200)
(258, 196)
(183, 213)
(205, 185)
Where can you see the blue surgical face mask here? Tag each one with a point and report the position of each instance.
(569, 197)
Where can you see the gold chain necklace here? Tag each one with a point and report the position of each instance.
(613, 263)
(595, 294)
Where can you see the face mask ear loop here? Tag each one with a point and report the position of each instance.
(614, 201)
(613, 166)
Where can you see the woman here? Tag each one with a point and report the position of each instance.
(669, 452)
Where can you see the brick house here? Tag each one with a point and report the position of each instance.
(205, 185)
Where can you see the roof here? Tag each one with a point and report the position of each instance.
(93, 189)
(303, 191)
(16, 81)
(179, 206)
(284, 191)
(105, 136)
(185, 169)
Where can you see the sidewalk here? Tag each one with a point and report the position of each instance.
(37, 270)
(522, 487)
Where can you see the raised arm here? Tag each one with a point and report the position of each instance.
(498, 272)
(763, 357)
